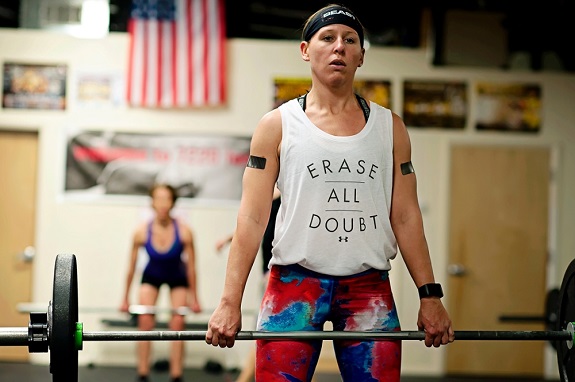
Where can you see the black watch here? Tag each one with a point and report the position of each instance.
(430, 290)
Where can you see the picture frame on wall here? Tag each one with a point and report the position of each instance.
(286, 89)
(435, 104)
(34, 86)
(509, 107)
(376, 90)
(99, 90)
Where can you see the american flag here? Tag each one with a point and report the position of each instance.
(177, 53)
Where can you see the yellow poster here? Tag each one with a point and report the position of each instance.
(508, 107)
(378, 91)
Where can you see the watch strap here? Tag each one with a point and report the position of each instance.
(430, 290)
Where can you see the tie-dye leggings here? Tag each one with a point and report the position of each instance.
(300, 299)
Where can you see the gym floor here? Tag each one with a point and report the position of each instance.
(40, 373)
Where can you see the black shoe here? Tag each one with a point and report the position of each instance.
(142, 378)
(177, 379)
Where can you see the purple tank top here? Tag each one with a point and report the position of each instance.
(165, 265)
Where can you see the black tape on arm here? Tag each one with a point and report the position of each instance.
(256, 162)
(407, 168)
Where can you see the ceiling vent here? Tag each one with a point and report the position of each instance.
(80, 18)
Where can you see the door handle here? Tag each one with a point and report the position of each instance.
(28, 254)
(456, 270)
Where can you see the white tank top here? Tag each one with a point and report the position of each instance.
(336, 195)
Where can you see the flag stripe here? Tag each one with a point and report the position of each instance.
(138, 62)
(182, 44)
(221, 37)
(190, 52)
(198, 52)
(165, 73)
(152, 62)
(174, 62)
(206, 37)
(130, 59)
(159, 58)
(215, 86)
(176, 53)
(145, 62)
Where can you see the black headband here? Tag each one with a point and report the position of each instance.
(333, 15)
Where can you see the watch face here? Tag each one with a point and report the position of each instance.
(436, 290)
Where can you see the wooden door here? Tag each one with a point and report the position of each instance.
(497, 255)
(18, 162)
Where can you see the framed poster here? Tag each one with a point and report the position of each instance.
(508, 107)
(99, 90)
(433, 103)
(32, 86)
(286, 89)
(378, 91)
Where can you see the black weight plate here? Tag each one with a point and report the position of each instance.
(566, 356)
(64, 316)
(552, 311)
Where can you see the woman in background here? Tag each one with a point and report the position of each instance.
(169, 244)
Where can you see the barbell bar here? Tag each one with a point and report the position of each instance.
(58, 330)
(563, 335)
(19, 336)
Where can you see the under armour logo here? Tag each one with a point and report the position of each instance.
(341, 238)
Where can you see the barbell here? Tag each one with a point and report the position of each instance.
(58, 330)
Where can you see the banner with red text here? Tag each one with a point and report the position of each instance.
(102, 163)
